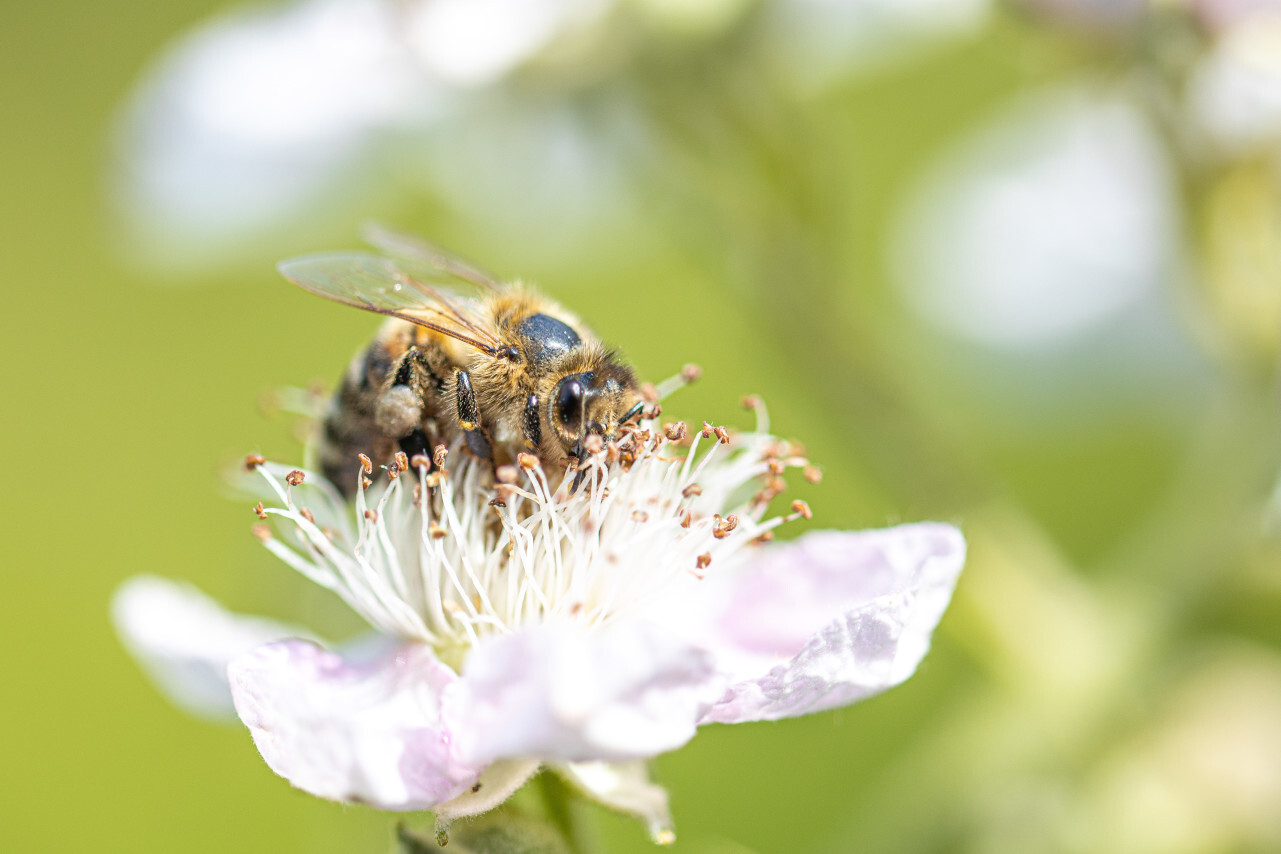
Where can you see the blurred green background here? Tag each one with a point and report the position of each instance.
(1108, 677)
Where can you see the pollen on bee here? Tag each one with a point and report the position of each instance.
(262, 532)
(253, 461)
(676, 431)
(438, 455)
(308, 515)
(260, 511)
(366, 464)
(402, 461)
(295, 477)
(691, 372)
(813, 474)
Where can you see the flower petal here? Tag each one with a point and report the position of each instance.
(184, 640)
(499, 782)
(625, 787)
(831, 619)
(562, 692)
(353, 731)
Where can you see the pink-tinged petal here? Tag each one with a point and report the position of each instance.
(563, 692)
(184, 640)
(831, 619)
(626, 788)
(368, 732)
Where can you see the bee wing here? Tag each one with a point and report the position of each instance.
(428, 260)
(378, 284)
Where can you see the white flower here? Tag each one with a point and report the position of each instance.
(586, 629)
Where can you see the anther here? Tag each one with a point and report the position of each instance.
(262, 532)
(507, 474)
(365, 483)
(253, 461)
(308, 515)
(437, 532)
(812, 474)
(707, 430)
(402, 461)
(612, 453)
(704, 560)
(295, 477)
(722, 527)
(366, 464)
(438, 455)
(432, 480)
(766, 537)
(777, 467)
(420, 461)
(802, 508)
(722, 434)
(259, 511)
(676, 431)
(751, 402)
(528, 462)
(655, 412)
(692, 490)
(686, 518)
(640, 516)
(691, 372)
(372, 515)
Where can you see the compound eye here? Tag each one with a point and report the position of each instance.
(569, 405)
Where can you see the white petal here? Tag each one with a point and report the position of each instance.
(184, 640)
(560, 692)
(367, 732)
(625, 787)
(499, 782)
(831, 619)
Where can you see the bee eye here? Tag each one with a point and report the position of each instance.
(569, 404)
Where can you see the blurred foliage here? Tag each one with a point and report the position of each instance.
(1108, 677)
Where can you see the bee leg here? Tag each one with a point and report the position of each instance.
(531, 424)
(417, 443)
(399, 410)
(469, 417)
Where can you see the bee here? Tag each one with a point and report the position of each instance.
(505, 368)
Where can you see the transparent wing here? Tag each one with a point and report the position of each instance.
(378, 284)
(427, 260)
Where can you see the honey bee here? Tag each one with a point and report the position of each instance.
(506, 368)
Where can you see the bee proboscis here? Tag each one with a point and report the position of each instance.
(505, 368)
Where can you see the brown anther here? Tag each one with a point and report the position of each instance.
(686, 519)
(704, 560)
(692, 490)
(504, 490)
(402, 461)
(253, 461)
(654, 412)
(308, 515)
(365, 483)
(640, 516)
(802, 508)
(295, 477)
(722, 434)
(372, 515)
(419, 461)
(528, 462)
(751, 402)
(676, 431)
(262, 532)
(393, 471)
(259, 511)
(438, 455)
(776, 485)
(649, 393)
(777, 467)
(593, 444)
(507, 474)
(691, 372)
(722, 528)
(612, 453)
(766, 537)
(576, 609)
(812, 474)
(366, 464)
(707, 430)
(437, 532)
(432, 480)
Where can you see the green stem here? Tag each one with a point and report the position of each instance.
(556, 797)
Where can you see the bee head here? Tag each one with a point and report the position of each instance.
(592, 402)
